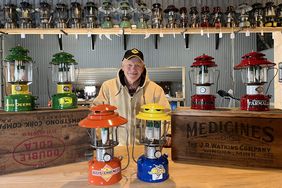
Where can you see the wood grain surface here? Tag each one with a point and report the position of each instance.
(181, 175)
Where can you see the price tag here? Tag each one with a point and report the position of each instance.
(23, 36)
(88, 34)
(208, 35)
(232, 35)
(248, 33)
(41, 36)
(261, 33)
(202, 32)
(76, 36)
(220, 34)
(147, 35)
(173, 35)
(161, 35)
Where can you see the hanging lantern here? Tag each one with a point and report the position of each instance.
(203, 70)
(254, 68)
(152, 165)
(103, 122)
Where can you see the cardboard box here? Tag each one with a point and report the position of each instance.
(227, 137)
(41, 138)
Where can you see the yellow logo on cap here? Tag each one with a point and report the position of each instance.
(135, 51)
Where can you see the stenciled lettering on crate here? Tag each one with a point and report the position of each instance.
(41, 139)
(241, 141)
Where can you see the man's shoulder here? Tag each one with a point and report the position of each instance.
(110, 83)
(153, 84)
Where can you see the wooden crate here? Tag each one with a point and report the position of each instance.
(227, 137)
(41, 138)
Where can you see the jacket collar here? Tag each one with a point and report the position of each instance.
(121, 83)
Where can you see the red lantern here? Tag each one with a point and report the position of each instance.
(254, 68)
(103, 122)
(204, 74)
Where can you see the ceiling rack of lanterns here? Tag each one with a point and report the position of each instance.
(104, 19)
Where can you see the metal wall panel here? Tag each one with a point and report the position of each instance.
(108, 54)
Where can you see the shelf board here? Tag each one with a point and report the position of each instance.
(129, 31)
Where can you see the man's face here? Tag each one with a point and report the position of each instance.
(132, 69)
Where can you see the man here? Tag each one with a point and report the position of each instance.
(130, 90)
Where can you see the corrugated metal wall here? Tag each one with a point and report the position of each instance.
(108, 54)
(171, 51)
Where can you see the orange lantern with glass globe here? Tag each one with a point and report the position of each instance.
(103, 122)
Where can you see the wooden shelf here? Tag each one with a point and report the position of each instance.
(129, 31)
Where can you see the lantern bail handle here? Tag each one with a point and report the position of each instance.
(266, 91)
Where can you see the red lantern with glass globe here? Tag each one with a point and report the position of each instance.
(103, 122)
(203, 70)
(254, 68)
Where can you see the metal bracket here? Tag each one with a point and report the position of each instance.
(217, 39)
(93, 40)
(124, 41)
(156, 41)
(60, 40)
(187, 40)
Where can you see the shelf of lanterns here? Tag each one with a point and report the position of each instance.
(129, 31)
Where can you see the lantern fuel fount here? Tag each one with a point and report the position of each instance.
(18, 71)
(152, 166)
(254, 68)
(103, 122)
(203, 70)
(63, 71)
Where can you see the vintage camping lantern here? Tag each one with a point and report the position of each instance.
(171, 14)
(63, 73)
(203, 70)
(152, 165)
(254, 68)
(10, 15)
(75, 15)
(106, 9)
(125, 11)
(103, 122)
(157, 16)
(143, 15)
(25, 14)
(45, 14)
(18, 71)
(90, 14)
(61, 15)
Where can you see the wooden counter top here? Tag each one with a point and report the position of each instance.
(181, 175)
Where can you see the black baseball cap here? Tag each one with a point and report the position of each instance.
(133, 53)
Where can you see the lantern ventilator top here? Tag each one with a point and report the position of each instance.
(153, 112)
(204, 60)
(102, 116)
(254, 59)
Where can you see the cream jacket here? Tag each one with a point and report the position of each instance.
(115, 92)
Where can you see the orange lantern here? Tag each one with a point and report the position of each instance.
(103, 122)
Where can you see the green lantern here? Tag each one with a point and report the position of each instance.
(18, 71)
(63, 73)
